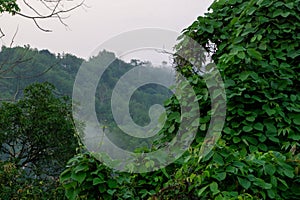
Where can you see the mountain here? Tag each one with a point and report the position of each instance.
(22, 66)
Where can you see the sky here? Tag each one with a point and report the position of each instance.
(88, 27)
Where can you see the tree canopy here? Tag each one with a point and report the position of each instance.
(37, 138)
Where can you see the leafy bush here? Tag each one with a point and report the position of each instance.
(255, 45)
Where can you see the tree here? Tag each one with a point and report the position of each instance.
(37, 132)
(255, 46)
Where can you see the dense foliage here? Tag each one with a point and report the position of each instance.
(36, 127)
(255, 45)
(10, 6)
(37, 138)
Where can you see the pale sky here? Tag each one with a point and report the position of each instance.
(101, 21)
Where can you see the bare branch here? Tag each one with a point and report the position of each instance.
(34, 10)
(45, 30)
(2, 34)
(11, 65)
(54, 9)
(55, 13)
(12, 40)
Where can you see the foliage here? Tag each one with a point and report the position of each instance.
(60, 70)
(255, 47)
(37, 139)
(87, 178)
(38, 109)
(10, 6)
(252, 46)
(15, 184)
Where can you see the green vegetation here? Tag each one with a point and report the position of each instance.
(9, 6)
(36, 125)
(255, 46)
(37, 139)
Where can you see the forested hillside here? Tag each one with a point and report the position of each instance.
(22, 66)
(37, 132)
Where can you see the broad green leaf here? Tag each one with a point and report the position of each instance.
(97, 181)
(214, 188)
(220, 176)
(236, 139)
(199, 193)
(65, 175)
(297, 120)
(218, 159)
(112, 183)
(271, 128)
(250, 118)
(270, 169)
(247, 128)
(271, 194)
(72, 193)
(111, 192)
(244, 183)
(244, 75)
(254, 54)
(79, 177)
(258, 126)
(261, 183)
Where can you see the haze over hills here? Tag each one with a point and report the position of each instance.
(21, 66)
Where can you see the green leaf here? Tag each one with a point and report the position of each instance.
(271, 128)
(274, 181)
(81, 167)
(293, 98)
(247, 128)
(236, 139)
(199, 193)
(97, 181)
(218, 159)
(283, 182)
(289, 173)
(65, 175)
(241, 55)
(270, 169)
(244, 75)
(79, 177)
(220, 176)
(72, 193)
(244, 183)
(111, 192)
(271, 194)
(261, 183)
(112, 183)
(214, 188)
(258, 126)
(297, 120)
(263, 147)
(250, 118)
(254, 54)
(171, 129)
(165, 173)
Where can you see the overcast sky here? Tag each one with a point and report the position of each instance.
(101, 21)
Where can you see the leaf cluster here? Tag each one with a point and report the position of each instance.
(9, 6)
